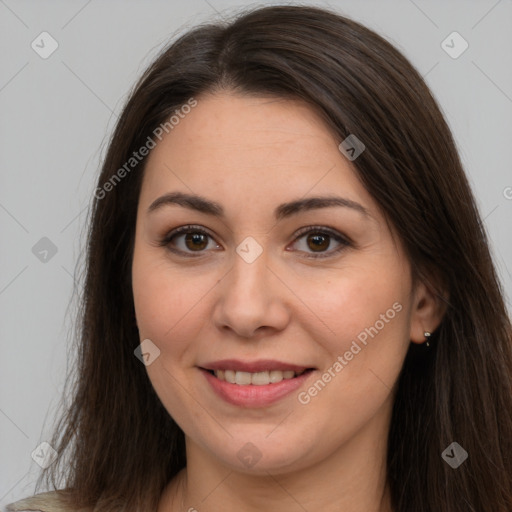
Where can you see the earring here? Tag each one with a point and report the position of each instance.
(427, 337)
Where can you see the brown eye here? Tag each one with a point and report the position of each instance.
(319, 240)
(187, 240)
(196, 241)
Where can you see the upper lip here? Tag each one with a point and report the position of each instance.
(259, 365)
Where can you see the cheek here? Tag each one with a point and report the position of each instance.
(363, 359)
(170, 313)
(363, 301)
(369, 311)
(364, 335)
(169, 301)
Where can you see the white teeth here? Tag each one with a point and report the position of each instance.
(275, 376)
(229, 375)
(256, 379)
(260, 378)
(242, 378)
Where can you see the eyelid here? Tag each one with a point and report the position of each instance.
(324, 229)
(342, 239)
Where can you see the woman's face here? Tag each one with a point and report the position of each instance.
(307, 306)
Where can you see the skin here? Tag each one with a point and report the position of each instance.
(251, 154)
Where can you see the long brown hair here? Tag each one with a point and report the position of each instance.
(118, 447)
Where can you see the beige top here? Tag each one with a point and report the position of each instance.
(44, 502)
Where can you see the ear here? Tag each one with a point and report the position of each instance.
(426, 313)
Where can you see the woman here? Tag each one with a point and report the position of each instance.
(289, 300)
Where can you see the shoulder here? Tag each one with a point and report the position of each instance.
(45, 502)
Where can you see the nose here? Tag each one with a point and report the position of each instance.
(252, 299)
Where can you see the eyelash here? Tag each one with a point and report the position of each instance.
(343, 241)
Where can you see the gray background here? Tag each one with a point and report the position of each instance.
(57, 114)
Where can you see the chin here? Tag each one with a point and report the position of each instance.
(256, 453)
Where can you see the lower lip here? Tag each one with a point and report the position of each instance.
(255, 396)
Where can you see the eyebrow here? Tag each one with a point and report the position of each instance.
(284, 210)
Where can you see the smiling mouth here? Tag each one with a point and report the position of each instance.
(263, 378)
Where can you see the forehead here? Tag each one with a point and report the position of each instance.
(259, 148)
